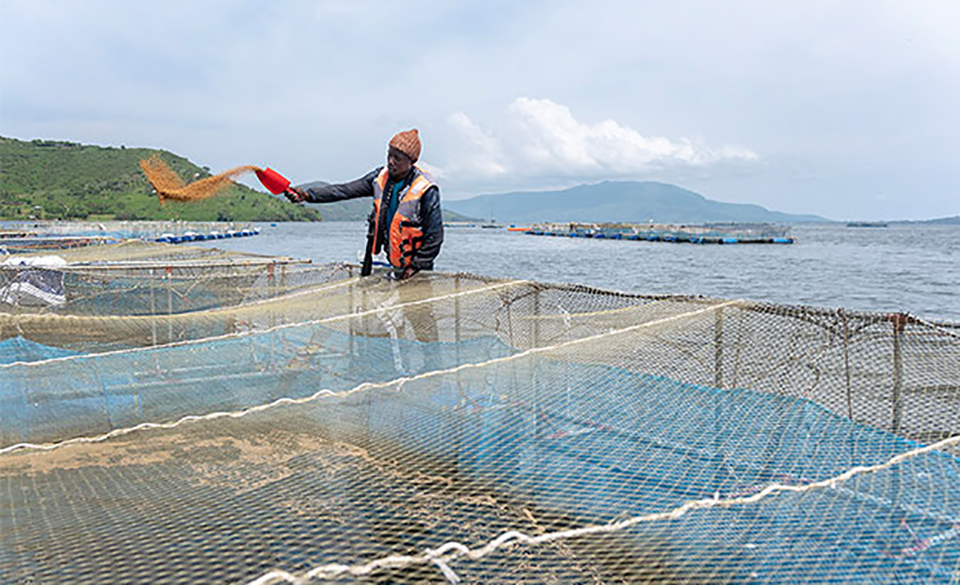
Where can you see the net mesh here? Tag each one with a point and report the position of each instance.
(315, 425)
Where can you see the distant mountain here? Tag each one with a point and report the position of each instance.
(47, 179)
(623, 201)
(359, 209)
(952, 220)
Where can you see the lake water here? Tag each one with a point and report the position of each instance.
(908, 268)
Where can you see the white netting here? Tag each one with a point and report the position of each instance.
(323, 426)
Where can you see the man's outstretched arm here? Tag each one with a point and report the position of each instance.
(362, 187)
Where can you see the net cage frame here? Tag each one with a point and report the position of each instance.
(465, 427)
(164, 279)
(114, 228)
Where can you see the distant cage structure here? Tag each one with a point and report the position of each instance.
(170, 413)
(35, 236)
(708, 233)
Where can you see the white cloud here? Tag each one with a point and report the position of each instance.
(484, 157)
(542, 137)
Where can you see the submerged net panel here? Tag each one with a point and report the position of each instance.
(455, 427)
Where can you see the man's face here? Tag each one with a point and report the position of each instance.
(398, 163)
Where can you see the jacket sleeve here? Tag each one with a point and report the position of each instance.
(432, 221)
(362, 187)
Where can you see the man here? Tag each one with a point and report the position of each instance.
(406, 217)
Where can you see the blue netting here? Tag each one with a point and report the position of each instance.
(117, 390)
(593, 442)
(18, 349)
(625, 444)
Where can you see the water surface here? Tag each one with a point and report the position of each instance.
(910, 268)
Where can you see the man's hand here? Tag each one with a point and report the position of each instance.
(408, 272)
(295, 195)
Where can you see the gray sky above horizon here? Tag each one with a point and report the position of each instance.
(846, 109)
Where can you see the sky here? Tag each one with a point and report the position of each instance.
(845, 109)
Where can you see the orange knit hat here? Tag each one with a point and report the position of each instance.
(408, 143)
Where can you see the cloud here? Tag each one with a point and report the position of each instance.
(485, 157)
(539, 137)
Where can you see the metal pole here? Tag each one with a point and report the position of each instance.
(169, 277)
(457, 336)
(536, 317)
(718, 348)
(899, 324)
(367, 267)
(513, 344)
(461, 398)
(271, 292)
(351, 329)
(456, 313)
(846, 362)
(537, 399)
(153, 309)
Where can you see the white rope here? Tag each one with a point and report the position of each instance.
(443, 555)
(362, 387)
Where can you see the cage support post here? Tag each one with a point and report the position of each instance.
(351, 309)
(457, 333)
(169, 277)
(153, 309)
(538, 425)
(458, 382)
(846, 362)
(718, 348)
(899, 321)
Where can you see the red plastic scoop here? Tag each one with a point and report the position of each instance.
(273, 181)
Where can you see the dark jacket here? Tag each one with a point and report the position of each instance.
(430, 214)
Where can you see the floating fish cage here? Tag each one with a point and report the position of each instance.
(712, 233)
(33, 236)
(198, 415)
(22, 242)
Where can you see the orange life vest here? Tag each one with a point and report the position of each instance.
(406, 233)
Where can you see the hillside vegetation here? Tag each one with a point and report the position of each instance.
(47, 179)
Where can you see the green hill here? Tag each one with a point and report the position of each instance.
(48, 179)
(626, 201)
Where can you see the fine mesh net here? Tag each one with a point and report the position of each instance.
(452, 427)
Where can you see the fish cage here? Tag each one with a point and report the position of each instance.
(458, 428)
(20, 237)
(708, 233)
(118, 229)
